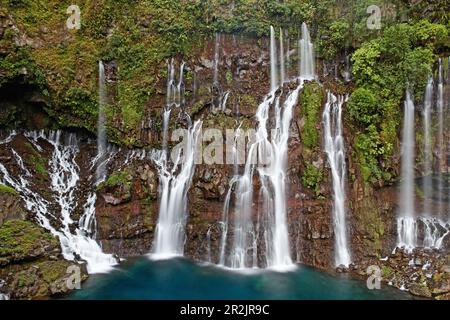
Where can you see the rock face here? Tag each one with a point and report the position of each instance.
(31, 265)
(127, 211)
(127, 202)
(10, 205)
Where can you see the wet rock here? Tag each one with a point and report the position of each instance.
(420, 290)
(342, 269)
(31, 264)
(110, 199)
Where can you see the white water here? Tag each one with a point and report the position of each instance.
(435, 231)
(175, 90)
(270, 153)
(174, 179)
(101, 131)
(273, 61)
(282, 63)
(428, 155)
(63, 172)
(216, 59)
(307, 63)
(335, 150)
(441, 151)
(174, 186)
(226, 206)
(9, 138)
(406, 222)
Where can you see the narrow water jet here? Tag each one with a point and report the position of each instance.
(307, 62)
(282, 62)
(267, 157)
(174, 185)
(335, 150)
(427, 149)
(406, 222)
(273, 61)
(101, 131)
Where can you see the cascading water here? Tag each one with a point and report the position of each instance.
(64, 176)
(307, 63)
(175, 90)
(335, 150)
(271, 155)
(64, 180)
(428, 155)
(101, 131)
(406, 222)
(282, 63)
(175, 181)
(273, 61)
(170, 230)
(226, 205)
(441, 151)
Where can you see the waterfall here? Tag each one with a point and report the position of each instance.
(9, 138)
(282, 63)
(174, 180)
(347, 72)
(170, 230)
(270, 153)
(101, 131)
(406, 223)
(208, 245)
(273, 61)
(428, 155)
(307, 63)
(273, 178)
(216, 59)
(226, 205)
(175, 90)
(441, 152)
(334, 148)
(64, 181)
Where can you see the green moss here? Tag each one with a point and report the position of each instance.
(53, 270)
(387, 272)
(310, 105)
(7, 189)
(117, 179)
(37, 160)
(18, 238)
(312, 178)
(371, 224)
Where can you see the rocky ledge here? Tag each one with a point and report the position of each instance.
(31, 263)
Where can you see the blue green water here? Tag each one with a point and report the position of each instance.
(180, 279)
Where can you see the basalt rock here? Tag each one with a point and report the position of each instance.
(31, 264)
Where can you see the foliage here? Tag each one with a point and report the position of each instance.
(312, 177)
(369, 148)
(311, 102)
(383, 69)
(334, 39)
(17, 238)
(7, 189)
(363, 107)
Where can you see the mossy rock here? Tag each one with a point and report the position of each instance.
(8, 190)
(23, 240)
(311, 99)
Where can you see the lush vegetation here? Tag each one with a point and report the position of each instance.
(139, 35)
(383, 68)
(22, 238)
